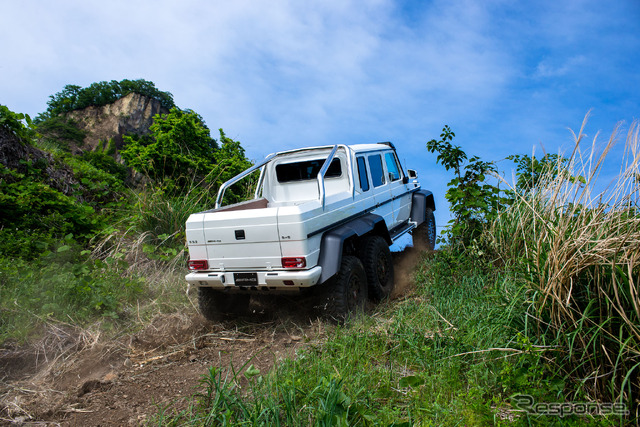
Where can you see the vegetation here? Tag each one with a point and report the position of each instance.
(78, 236)
(11, 123)
(180, 145)
(453, 353)
(473, 201)
(61, 132)
(577, 252)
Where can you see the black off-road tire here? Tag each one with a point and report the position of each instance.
(378, 266)
(346, 292)
(216, 305)
(424, 236)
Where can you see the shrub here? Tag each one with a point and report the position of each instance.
(472, 200)
(61, 132)
(178, 150)
(105, 162)
(11, 123)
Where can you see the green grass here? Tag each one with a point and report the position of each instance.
(451, 354)
(70, 287)
(55, 289)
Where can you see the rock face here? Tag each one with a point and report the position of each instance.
(132, 114)
(14, 153)
(12, 150)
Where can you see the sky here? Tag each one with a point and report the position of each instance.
(508, 77)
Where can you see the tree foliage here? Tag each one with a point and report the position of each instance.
(57, 208)
(473, 201)
(61, 132)
(179, 148)
(74, 97)
(530, 170)
(230, 161)
(230, 158)
(12, 124)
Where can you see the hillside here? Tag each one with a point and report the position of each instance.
(527, 313)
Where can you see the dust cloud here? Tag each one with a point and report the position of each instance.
(405, 263)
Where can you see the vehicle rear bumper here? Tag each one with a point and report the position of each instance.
(266, 280)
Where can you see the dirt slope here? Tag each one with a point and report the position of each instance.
(73, 378)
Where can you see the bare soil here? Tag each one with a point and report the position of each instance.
(75, 377)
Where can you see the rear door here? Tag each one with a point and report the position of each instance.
(242, 239)
(380, 188)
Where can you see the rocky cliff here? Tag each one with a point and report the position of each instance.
(132, 114)
(15, 153)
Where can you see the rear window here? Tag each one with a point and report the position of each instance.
(307, 170)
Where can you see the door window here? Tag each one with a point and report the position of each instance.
(377, 173)
(392, 166)
(362, 173)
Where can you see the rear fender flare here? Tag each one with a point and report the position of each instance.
(333, 241)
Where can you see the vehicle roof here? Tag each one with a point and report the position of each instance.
(357, 148)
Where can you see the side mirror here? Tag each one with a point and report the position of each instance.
(412, 174)
(405, 179)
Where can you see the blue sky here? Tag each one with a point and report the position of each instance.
(506, 76)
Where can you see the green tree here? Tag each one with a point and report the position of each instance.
(180, 148)
(230, 161)
(61, 132)
(74, 97)
(230, 158)
(531, 171)
(473, 201)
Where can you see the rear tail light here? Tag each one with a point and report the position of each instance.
(294, 262)
(198, 264)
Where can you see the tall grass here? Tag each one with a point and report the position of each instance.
(578, 243)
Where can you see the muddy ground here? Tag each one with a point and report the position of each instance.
(76, 378)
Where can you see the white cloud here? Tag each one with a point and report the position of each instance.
(270, 59)
(546, 68)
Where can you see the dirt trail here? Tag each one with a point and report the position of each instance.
(72, 378)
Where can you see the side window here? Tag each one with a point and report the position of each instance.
(377, 173)
(392, 166)
(362, 173)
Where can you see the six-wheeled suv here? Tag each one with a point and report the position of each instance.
(322, 220)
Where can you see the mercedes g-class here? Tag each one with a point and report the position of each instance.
(322, 220)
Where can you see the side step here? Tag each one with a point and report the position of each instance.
(402, 229)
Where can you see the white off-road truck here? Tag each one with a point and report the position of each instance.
(322, 221)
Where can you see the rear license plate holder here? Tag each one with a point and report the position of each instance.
(245, 279)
